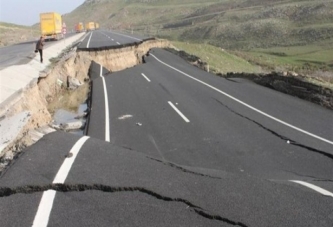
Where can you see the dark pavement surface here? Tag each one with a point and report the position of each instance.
(110, 185)
(108, 39)
(222, 134)
(228, 166)
(21, 53)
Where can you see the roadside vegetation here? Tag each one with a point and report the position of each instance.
(12, 34)
(293, 35)
(218, 59)
(232, 35)
(313, 61)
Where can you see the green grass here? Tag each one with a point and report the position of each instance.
(277, 35)
(221, 61)
(239, 24)
(218, 59)
(296, 57)
(314, 61)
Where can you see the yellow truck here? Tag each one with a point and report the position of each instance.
(96, 25)
(79, 27)
(90, 26)
(51, 25)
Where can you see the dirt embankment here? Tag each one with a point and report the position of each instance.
(294, 85)
(116, 59)
(40, 98)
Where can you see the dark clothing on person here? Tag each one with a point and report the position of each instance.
(41, 55)
(39, 47)
(40, 44)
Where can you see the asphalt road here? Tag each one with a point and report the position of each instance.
(222, 134)
(21, 53)
(172, 145)
(107, 39)
(108, 185)
(230, 126)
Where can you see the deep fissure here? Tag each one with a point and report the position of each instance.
(183, 169)
(53, 83)
(30, 189)
(291, 142)
(308, 176)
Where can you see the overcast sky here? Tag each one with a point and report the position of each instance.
(26, 12)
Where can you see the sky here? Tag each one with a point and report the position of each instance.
(26, 12)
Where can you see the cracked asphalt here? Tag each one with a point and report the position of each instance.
(110, 185)
(100, 39)
(228, 165)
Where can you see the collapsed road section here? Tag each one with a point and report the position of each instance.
(108, 184)
(226, 166)
(62, 92)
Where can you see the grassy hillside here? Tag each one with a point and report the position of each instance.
(232, 24)
(219, 60)
(294, 34)
(12, 33)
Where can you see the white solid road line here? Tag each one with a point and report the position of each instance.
(44, 209)
(67, 165)
(107, 120)
(83, 38)
(145, 77)
(247, 105)
(178, 111)
(314, 187)
(89, 39)
(46, 203)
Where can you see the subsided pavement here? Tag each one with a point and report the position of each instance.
(14, 80)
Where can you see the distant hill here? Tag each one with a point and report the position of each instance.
(237, 24)
(291, 34)
(13, 33)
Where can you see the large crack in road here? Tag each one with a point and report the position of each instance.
(183, 169)
(65, 188)
(309, 176)
(169, 164)
(288, 140)
(57, 87)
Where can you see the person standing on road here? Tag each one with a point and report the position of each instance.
(39, 48)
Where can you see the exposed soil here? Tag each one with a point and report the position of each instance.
(116, 59)
(295, 85)
(52, 92)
